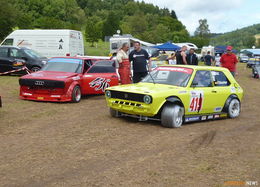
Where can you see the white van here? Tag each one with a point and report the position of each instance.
(49, 43)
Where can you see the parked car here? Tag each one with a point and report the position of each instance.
(66, 79)
(34, 61)
(7, 64)
(253, 61)
(178, 94)
(243, 58)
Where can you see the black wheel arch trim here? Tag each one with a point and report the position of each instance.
(233, 96)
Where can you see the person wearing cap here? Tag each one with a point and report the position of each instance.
(229, 60)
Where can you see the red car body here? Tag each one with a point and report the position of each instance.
(92, 76)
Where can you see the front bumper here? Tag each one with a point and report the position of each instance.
(131, 107)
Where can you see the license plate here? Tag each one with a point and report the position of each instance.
(40, 98)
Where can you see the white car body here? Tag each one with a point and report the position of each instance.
(49, 43)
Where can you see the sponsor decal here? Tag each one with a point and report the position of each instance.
(203, 118)
(195, 118)
(223, 115)
(100, 84)
(216, 116)
(196, 101)
(182, 92)
(27, 94)
(177, 69)
(39, 83)
(210, 117)
(217, 109)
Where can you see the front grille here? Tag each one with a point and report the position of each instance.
(128, 103)
(39, 83)
(127, 96)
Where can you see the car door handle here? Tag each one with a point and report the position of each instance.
(214, 91)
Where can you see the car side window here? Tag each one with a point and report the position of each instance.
(219, 78)
(103, 67)
(3, 52)
(8, 41)
(202, 79)
(15, 53)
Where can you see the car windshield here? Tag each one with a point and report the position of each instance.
(33, 54)
(64, 65)
(176, 76)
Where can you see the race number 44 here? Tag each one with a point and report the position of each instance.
(196, 101)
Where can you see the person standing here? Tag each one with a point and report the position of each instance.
(139, 57)
(124, 64)
(208, 59)
(217, 60)
(192, 58)
(172, 59)
(229, 60)
(181, 55)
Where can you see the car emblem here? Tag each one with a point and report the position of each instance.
(39, 83)
(126, 96)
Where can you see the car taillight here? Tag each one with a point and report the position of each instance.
(18, 63)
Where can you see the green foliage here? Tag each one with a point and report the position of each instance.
(111, 25)
(7, 18)
(241, 38)
(93, 29)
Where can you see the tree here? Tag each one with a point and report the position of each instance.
(93, 30)
(8, 15)
(173, 14)
(203, 29)
(111, 25)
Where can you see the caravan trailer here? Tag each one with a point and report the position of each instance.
(49, 43)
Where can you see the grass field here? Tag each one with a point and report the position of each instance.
(79, 144)
(100, 49)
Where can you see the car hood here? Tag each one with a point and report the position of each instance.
(50, 75)
(146, 88)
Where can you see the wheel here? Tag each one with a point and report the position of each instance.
(172, 116)
(114, 113)
(234, 108)
(35, 68)
(76, 94)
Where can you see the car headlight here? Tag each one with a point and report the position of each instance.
(147, 99)
(108, 94)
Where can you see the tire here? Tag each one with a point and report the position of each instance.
(35, 68)
(234, 108)
(76, 94)
(114, 113)
(172, 116)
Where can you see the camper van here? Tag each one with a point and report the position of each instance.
(49, 43)
(117, 41)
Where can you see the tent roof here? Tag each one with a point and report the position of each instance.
(168, 46)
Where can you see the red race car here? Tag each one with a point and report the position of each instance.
(67, 78)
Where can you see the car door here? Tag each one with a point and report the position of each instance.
(5, 63)
(203, 96)
(222, 89)
(99, 76)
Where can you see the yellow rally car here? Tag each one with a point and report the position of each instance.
(177, 94)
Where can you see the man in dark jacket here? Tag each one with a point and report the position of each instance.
(139, 57)
(192, 58)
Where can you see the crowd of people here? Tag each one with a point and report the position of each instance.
(139, 58)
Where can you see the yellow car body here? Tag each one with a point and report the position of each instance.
(204, 93)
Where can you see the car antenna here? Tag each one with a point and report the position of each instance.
(150, 74)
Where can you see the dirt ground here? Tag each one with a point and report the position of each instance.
(53, 144)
